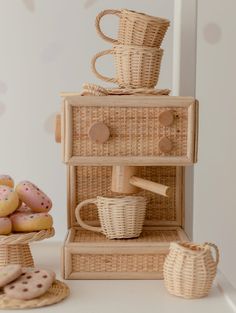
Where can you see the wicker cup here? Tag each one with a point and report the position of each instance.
(136, 67)
(135, 28)
(120, 217)
(189, 269)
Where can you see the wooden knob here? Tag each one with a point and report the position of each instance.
(166, 118)
(58, 128)
(99, 132)
(165, 145)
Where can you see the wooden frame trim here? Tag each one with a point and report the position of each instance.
(68, 131)
(179, 195)
(197, 130)
(71, 196)
(135, 161)
(115, 275)
(129, 101)
(191, 132)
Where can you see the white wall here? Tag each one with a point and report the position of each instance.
(46, 47)
(215, 174)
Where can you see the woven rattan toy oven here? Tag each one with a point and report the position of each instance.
(137, 125)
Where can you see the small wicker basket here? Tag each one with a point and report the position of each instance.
(136, 67)
(189, 269)
(135, 28)
(120, 217)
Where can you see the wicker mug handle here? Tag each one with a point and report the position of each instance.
(80, 221)
(94, 70)
(212, 245)
(98, 27)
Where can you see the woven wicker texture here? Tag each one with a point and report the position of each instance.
(21, 238)
(16, 254)
(136, 67)
(95, 90)
(55, 294)
(136, 28)
(190, 269)
(120, 217)
(138, 91)
(84, 236)
(133, 131)
(14, 248)
(118, 262)
(90, 181)
(122, 262)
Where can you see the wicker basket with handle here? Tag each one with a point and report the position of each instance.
(120, 217)
(189, 269)
(135, 28)
(136, 67)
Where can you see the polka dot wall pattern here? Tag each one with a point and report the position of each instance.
(212, 33)
(89, 3)
(29, 5)
(49, 123)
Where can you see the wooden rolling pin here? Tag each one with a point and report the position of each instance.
(124, 181)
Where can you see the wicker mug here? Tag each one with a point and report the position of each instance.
(136, 67)
(135, 28)
(189, 269)
(120, 217)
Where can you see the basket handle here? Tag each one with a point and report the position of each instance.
(98, 27)
(78, 217)
(217, 253)
(93, 65)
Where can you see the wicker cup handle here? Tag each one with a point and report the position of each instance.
(98, 27)
(78, 217)
(93, 64)
(217, 253)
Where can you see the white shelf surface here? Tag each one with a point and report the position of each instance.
(127, 296)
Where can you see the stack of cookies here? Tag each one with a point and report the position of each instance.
(25, 283)
(23, 209)
(136, 52)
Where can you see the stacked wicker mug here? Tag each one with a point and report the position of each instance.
(136, 51)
